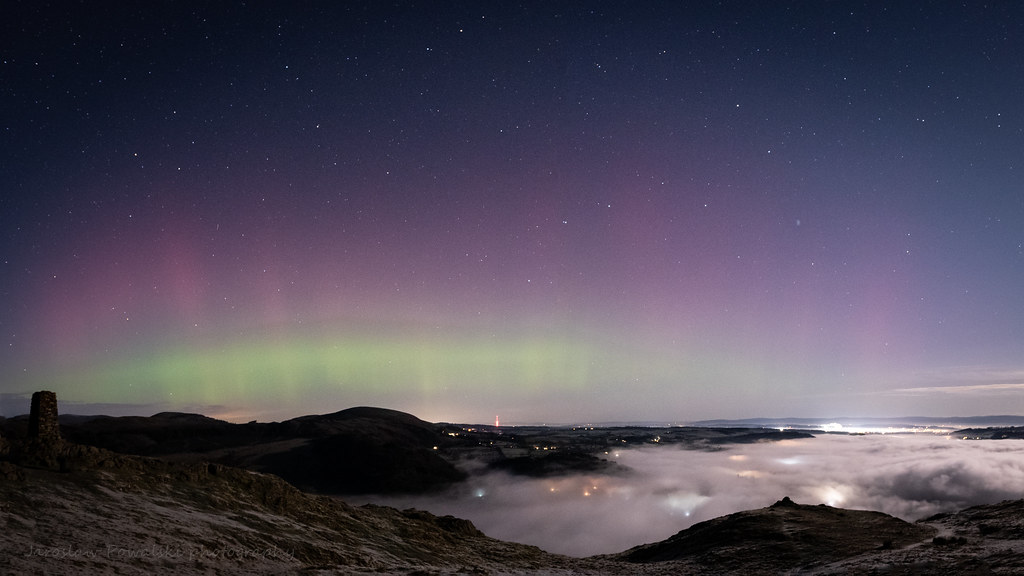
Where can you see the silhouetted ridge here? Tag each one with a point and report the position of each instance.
(785, 534)
(357, 450)
(184, 417)
(363, 450)
(367, 412)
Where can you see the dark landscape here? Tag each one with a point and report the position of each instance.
(182, 493)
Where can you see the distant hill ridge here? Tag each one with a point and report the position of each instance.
(907, 421)
(356, 450)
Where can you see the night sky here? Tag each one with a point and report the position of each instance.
(552, 212)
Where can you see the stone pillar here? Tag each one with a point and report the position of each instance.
(42, 419)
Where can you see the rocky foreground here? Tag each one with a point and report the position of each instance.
(72, 508)
(86, 510)
(131, 515)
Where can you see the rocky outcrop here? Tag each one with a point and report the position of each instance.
(782, 536)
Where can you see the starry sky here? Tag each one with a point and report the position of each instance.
(554, 212)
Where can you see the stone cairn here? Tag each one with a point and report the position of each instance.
(42, 418)
(43, 447)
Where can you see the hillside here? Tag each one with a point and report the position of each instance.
(109, 513)
(130, 515)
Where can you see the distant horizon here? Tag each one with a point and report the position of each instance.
(805, 422)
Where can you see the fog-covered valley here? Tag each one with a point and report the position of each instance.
(668, 488)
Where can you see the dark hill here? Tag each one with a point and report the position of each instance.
(358, 450)
(781, 536)
(382, 422)
(163, 433)
(1000, 433)
(362, 450)
(559, 463)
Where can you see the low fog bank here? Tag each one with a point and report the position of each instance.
(908, 476)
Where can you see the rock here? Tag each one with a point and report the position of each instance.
(785, 503)
(9, 471)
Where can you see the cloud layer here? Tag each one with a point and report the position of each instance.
(909, 476)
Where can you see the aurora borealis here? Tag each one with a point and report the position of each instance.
(555, 212)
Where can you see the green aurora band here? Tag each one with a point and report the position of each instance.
(287, 375)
